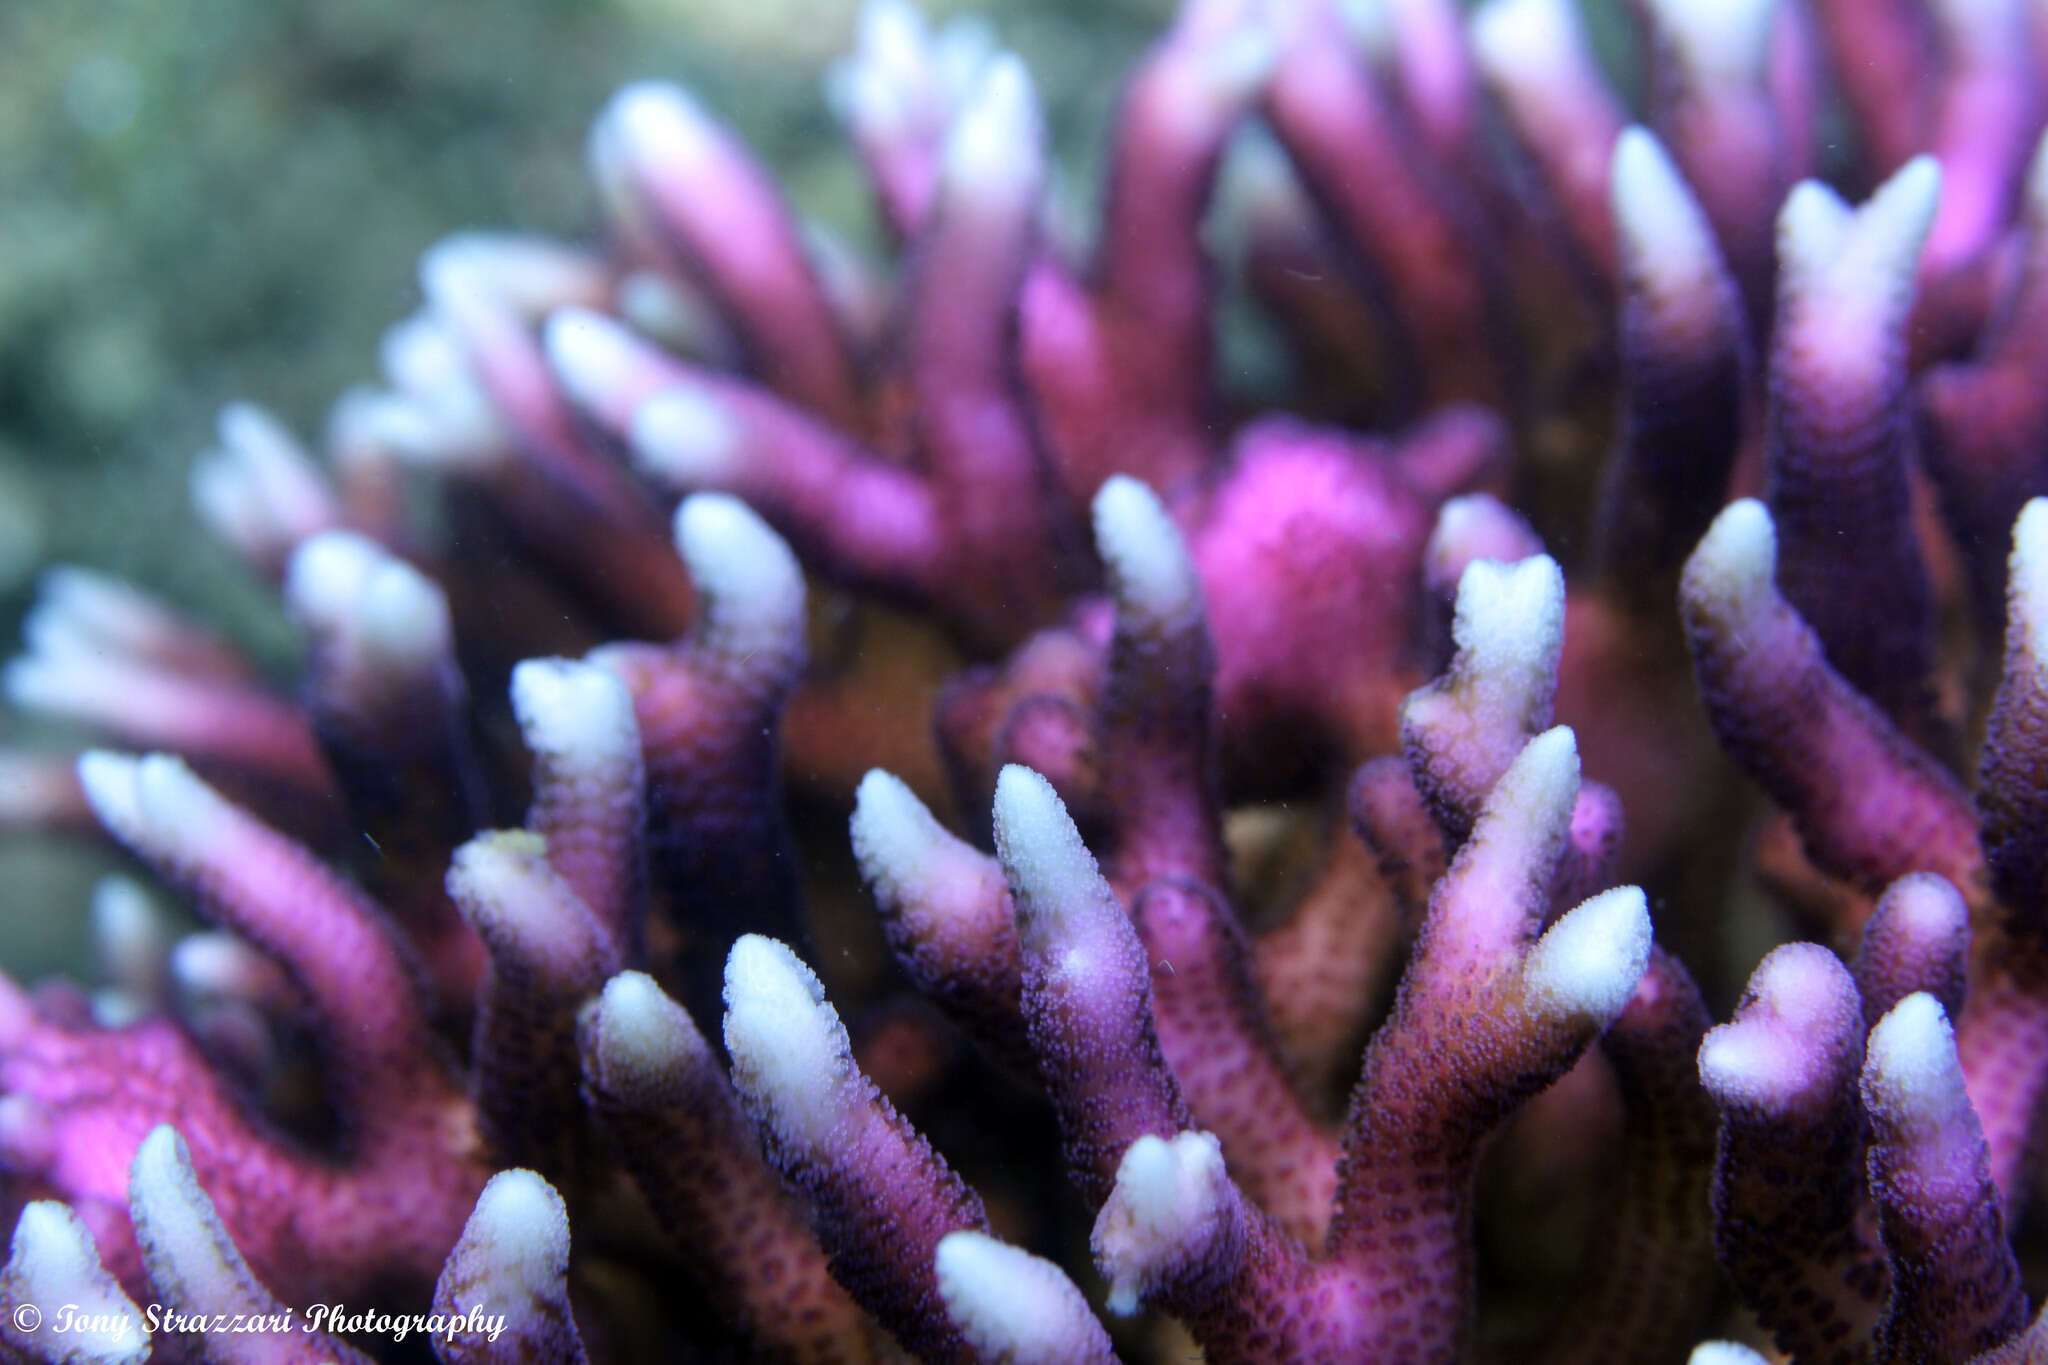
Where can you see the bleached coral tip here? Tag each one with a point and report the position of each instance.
(589, 353)
(684, 437)
(1723, 1353)
(51, 1241)
(98, 600)
(1659, 221)
(1587, 964)
(1148, 560)
(1737, 560)
(736, 559)
(1811, 225)
(491, 878)
(1155, 1171)
(174, 1216)
(245, 425)
(1802, 1009)
(643, 1038)
(572, 709)
(886, 28)
(1166, 1190)
(2027, 588)
(465, 271)
(109, 782)
(525, 1223)
(1912, 194)
(53, 1260)
(1039, 846)
(1511, 616)
(344, 582)
(761, 971)
(420, 357)
(2030, 534)
(1237, 66)
(993, 151)
(1911, 1064)
(324, 579)
(162, 1161)
(1733, 1061)
(218, 966)
(404, 619)
(1526, 42)
(894, 834)
(1011, 1305)
(131, 932)
(882, 790)
(789, 1050)
(1544, 774)
(657, 121)
(1865, 255)
(1723, 42)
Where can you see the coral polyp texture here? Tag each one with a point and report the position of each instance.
(854, 805)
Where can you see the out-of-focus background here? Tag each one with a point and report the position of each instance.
(209, 199)
(204, 200)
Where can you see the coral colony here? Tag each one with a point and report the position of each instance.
(1207, 763)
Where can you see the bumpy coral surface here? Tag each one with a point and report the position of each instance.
(1304, 839)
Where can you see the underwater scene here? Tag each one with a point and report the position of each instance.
(1273, 682)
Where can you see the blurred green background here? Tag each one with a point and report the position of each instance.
(203, 200)
(208, 199)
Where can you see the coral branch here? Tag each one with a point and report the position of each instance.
(1870, 806)
(880, 1197)
(513, 1263)
(656, 1089)
(1839, 491)
(1789, 1180)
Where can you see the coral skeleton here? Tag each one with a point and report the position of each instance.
(1521, 836)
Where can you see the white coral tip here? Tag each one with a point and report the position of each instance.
(188, 1252)
(1723, 1353)
(789, 1050)
(1661, 226)
(521, 1227)
(993, 152)
(1724, 42)
(574, 711)
(1011, 1305)
(53, 1261)
(1510, 619)
(659, 123)
(753, 583)
(1911, 1067)
(590, 354)
(1148, 560)
(1040, 848)
(1586, 966)
(684, 437)
(1526, 44)
(325, 578)
(1540, 787)
(1167, 1191)
(1735, 565)
(1802, 1004)
(644, 1039)
(894, 834)
(2028, 594)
